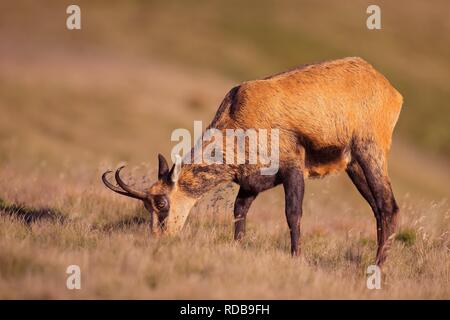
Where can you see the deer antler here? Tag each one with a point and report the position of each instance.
(126, 190)
(138, 194)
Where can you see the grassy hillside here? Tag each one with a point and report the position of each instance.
(245, 40)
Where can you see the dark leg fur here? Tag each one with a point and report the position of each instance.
(356, 174)
(294, 188)
(243, 201)
(381, 198)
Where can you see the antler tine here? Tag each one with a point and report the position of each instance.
(115, 188)
(131, 191)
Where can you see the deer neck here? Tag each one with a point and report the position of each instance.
(194, 181)
(198, 179)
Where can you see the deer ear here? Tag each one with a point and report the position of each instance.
(176, 169)
(163, 167)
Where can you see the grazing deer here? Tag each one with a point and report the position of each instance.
(332, 116)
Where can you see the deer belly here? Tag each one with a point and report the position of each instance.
(319, 163)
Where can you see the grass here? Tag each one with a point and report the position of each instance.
(29, 215)
(108, 237)
(407, 236)
(254, 39)
(84, 102)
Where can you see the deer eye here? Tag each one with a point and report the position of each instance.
(161, 203)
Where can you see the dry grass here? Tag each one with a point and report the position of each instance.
(108, 238)
(74, 108)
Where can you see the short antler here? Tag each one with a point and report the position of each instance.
(126, 190)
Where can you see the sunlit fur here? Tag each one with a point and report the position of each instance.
(323, 111)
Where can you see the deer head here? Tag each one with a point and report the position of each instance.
(164, 198)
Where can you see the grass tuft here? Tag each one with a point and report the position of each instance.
(406, 236)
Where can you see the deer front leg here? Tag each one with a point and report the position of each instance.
(243, 201)
(294, 188)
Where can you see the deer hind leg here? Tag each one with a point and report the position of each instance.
(373, 163)
(358, 178)
(356, 174)
(243, 201)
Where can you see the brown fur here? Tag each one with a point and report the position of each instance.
(322, 107)
(332, 116)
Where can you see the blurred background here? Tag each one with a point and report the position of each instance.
(152, 66)
(74, 103)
